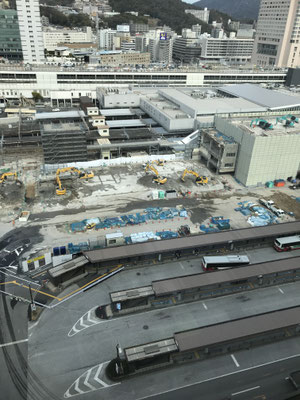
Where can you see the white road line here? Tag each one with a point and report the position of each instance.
(219, 377)
(235, 360)
(280, 290)
(244, 391)
(12, 343)
(77, 388)
(204, 305)
(33, 325)
(86, 383)
(181, 265)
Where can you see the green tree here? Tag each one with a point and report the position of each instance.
(37, 96)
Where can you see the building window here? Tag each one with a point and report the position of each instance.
(229, 165)
(230, 154)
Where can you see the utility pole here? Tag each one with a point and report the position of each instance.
(32, 304)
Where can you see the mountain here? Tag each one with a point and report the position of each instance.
(168, 12)
(239, 9)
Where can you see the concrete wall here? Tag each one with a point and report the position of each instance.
(262, 158)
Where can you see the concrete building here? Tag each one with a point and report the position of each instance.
(232, 50)
(128, 45)
(277, 34)
(218, 151)
(31, 31)
(138, 28)
(54, 37)
(121, 59)
(161, 49)
(203, 15)
(64, 141)
(63, 87)
(10, 39)
(187, 49)
(106, 39)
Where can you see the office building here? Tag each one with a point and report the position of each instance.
(53, 37)
(10, 39)
(187, 48)
(277, 34)
(203, 15)
(230, 49)
(31, 31)
(106, 39)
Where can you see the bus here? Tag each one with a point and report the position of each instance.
(211, 263)
(287, 243)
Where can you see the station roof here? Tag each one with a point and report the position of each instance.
(114, 112)
(120, 123)
(163, 246)
(237, 329)
(166, 286)
(60, 114)
(150, 349)
(271, 99)
(211, 105)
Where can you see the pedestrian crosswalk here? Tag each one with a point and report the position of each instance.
(86, 321)
(91, 380)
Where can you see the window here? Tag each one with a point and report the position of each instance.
(230, 154)
(229, 165)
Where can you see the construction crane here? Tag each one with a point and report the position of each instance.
(4, 176)
(288, 122)
(262, 123)
(161, 180)
(60, 190)
(200, 180)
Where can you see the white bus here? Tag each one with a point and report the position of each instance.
(287, 243)
(211, 263)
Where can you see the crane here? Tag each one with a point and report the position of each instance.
(4, 176)
(200, 180)
(161, 180)
(60, 190)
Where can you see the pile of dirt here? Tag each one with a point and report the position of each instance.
(286, 203)
(30, 191)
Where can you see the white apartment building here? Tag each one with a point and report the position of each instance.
(203, 15)
(31, 31)
(230, 49)
(106, 39)
(278, 34)
(54, 36)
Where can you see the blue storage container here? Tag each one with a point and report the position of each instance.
(63, 250)
(56, 251)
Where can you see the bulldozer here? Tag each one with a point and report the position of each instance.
(60, 190)
(4, 177)
(161, 180)
(200, 180)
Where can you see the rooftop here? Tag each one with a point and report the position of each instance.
(279, 129)
(271, 99)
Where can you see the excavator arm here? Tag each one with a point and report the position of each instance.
(158, 179)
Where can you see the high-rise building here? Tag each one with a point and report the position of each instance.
(277, 34)
(10, 40)
(106, 39)
(31, 31)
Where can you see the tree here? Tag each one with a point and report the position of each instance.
(37, 96)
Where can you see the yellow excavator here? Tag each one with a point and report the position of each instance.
(161, 180)
(159, 163)
(60, 190)
(4, 176)
(200, 180)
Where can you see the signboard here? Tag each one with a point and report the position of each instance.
(123, 28)
(163, 36)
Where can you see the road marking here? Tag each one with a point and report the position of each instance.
(280, 290)
(84, 322)
(235, 360)
(219, 377)
(244, 391)
(204, 305)
(182, 266)
(13, 343)
(33, 325)
(83, 384)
